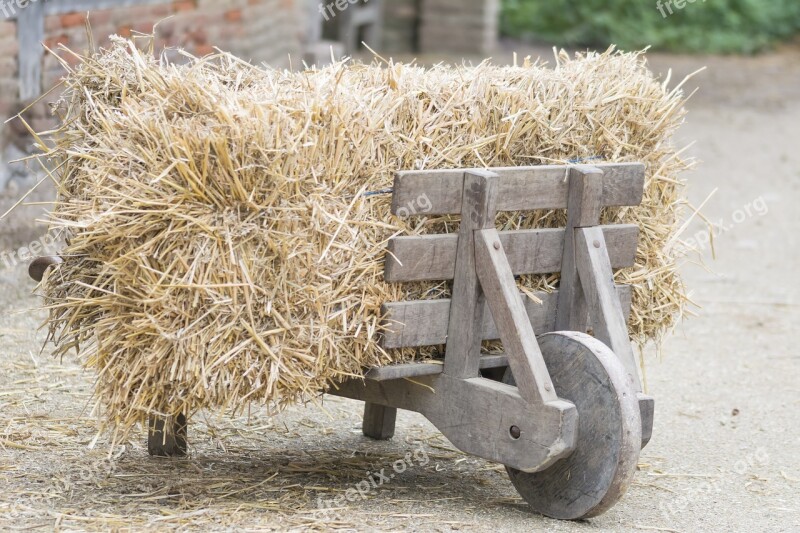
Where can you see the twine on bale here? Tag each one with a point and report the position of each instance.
(227, 223)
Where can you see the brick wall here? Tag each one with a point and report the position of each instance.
(257, 30)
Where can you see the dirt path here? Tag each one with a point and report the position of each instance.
(724, 456)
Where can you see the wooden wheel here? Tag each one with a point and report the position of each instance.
(595, 476)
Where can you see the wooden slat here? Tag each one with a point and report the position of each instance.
(424, 322)
(415, 370)
(534, 251)
(520, 188)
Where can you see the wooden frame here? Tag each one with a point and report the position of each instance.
(525, 426)
(475, 413)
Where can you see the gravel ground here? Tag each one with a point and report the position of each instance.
(724, 456)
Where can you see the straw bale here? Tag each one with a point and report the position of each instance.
(227, 223)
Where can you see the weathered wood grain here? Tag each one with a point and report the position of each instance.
(379, 421)
(30, 34)
(535, 251)
(519, 188)
(167, 444)
(413, 370)
(597, 280)
(424, 322)
(583, 209)
(598, 472)
(504, 300)
(463, 351)
(475, 416)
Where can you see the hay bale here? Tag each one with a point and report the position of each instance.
(222, 249)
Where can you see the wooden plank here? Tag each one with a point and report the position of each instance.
(424, 322)
(594, 269)
(463, 351)
(415, 370)
(519, 340)
(583, 209)
(519, 188)
(379, 421)
(475, 416)
(534, 251)
(30, 34)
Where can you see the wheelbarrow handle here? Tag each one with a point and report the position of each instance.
(39, 265)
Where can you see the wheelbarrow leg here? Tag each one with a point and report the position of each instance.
(379, 421)
(173, 444)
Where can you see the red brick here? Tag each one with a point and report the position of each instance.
(70, 20)
(203, 50)
(198, 36)
(125, 31)
(159, 12)
(100, 18)
(184, 5)
(234, 15)
(53, 42)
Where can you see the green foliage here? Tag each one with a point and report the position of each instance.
(716, 26)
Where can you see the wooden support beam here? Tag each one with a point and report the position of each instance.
(597, 280)
(379, 421)
(475, 415)
(519, 340)
(583, 210)
(463, 352)
(163, 443)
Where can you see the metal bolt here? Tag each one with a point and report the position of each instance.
(596, 244)
(497, 245)
(515, 432)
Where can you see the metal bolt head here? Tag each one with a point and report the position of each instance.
(497, 245)
(515, 432)
(596, 244)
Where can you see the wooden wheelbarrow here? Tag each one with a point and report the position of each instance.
(564, 411)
